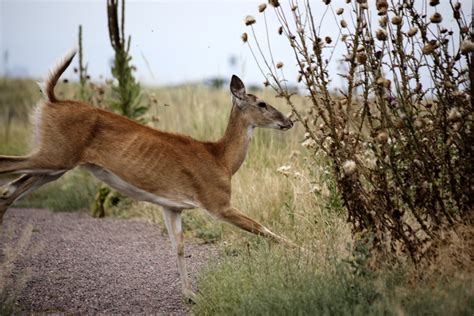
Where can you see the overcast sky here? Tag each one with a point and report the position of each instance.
(172, 41)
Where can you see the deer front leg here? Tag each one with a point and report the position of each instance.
(14, 190)
(173, 225)
(235, 217)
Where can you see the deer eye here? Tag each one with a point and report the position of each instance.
(262, 104)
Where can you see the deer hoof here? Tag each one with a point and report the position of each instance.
(189, 296)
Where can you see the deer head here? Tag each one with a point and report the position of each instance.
(255, 111)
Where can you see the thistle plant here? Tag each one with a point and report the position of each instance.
(126, 93)
(399, 132)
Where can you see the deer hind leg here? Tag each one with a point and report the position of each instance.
(32, 164)
(173, 225)
(9, 164)
(21, 186)
(235, 217)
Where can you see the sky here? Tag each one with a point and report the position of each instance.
(172, 41)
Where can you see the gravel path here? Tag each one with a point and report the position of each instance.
(74, 263)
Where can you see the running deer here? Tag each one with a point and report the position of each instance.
(171, 170)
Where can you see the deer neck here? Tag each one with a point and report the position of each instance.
(234, 144)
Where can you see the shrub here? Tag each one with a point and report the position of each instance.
(401, 149)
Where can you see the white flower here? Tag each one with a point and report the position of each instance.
(349, 167)
(285, 170)
(309, 143)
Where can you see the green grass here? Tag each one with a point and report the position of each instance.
(274, 281)
(73, 191)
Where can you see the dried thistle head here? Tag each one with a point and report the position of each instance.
(274, 3)
(381, 4)
(412, 31)
(396, 20)
(340, 11)
(326, 2)
(361, 57)
(349, 167)
(382, 137)
(262, 7)
(434, 2)
(328, 40)
(381, 34)
(343, 23)
(467, 47)
(244, 37)
(454, 115)
(249, 20)
(383, 21)
(436, 18)
(279, 65)
(429, 48)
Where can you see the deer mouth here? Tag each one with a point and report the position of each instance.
(285, 127)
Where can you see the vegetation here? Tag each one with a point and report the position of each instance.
(400, 146)
(358, 153)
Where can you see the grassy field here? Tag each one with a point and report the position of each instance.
(299, 201)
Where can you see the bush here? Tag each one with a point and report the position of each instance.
(401, 150)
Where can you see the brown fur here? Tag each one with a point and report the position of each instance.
(170, 166)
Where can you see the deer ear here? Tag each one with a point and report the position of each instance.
(237, 88)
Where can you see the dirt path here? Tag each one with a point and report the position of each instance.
(77, 264)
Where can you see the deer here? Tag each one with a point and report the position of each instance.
(172, 170)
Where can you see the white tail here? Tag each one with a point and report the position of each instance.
(174, 171)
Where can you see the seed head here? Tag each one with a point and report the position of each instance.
(244, 37)
(274, 3)
(434, 3)
(457, 5)
(279, 65)
(454, 115)
(349, 167)
(412, 31)
(383, 21)
(436, 18)
(309, 143)
(381, 35)
(262, 7)
(361, 57)
(467, 46)
(382, 137)
(326, 2)
(381, 4)
(418, 123)
(429, 48)
(280, 30)
(340, 11)
(328, 40)
(249, 20)
(397, 20)
(343, 23)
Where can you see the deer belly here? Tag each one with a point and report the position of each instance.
(138, 194)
